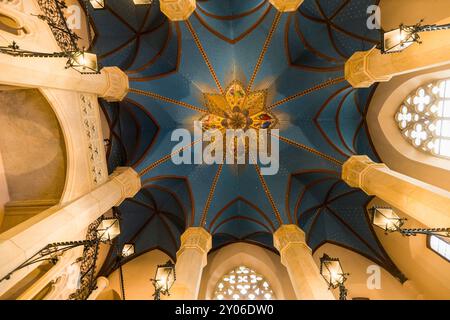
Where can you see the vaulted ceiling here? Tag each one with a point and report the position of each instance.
(299, 59)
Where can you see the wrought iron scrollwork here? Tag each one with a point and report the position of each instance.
(88, 264)
(53, 15)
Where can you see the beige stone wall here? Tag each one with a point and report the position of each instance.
(32, 146)
(356, 265)
(4, 193)
(84, 190)
(33, 156)
(137, 274)
(261, 260)
(425, 268)
(395, 12)
(397, 153)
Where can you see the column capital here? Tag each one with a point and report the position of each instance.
(117, 84)
(178, 10)
(286, 5)
(196, 238)
(288, 235)
(129, 181)
(357, 71)
(191, 259)
(355, 169)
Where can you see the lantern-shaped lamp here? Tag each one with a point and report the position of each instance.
(108, 229)
(399, 39)
(164, 279)
(128, 250)
(331, 270)
(83, 62)
(386, 219)
(97, 4)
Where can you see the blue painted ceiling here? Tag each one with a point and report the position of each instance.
(322, 120)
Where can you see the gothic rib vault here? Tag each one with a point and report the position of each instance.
(297, 60)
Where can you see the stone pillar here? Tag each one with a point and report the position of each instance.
(21, 210)
(178, 10)
(286, 5)
(297, 257)
(102, 284)
(62, 223)
(111, 84)
(191, 259)
(425, 203)
(368, 67)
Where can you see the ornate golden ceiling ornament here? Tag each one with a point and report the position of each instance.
(236, 109)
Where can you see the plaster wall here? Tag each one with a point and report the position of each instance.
(357, 283)
(137, 274)
(429, 271)
(263, 261)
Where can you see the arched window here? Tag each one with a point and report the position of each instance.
(424, 118)
(243, 283)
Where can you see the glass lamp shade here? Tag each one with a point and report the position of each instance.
(97, 4)
(84, 62)
(165, 276)
(141, 2)
(386, 219)
(128, 250)
(331, 271)
(397, 40)
(108, 229)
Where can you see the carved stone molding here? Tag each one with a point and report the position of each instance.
(13, 4)
(288, 235)
(129, 181)
(118, 84)
(196, 238)
(90, 119)
(357, 70)
(355, 169)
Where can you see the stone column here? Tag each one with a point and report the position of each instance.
(286, 5)
(191, 259)
(425, 203)
(111, 84)
(365, 68)
(297, 257)
(62, 223)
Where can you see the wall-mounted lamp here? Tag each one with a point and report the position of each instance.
(331, 270)
(404, 36)
(386, 219)
(128, 250)
(164, 279)
(107, 230)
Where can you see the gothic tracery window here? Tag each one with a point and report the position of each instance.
(424, 118)
(243, 283)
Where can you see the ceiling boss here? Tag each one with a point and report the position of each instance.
(237, 109)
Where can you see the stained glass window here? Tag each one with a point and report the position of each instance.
(424, 118)
(440, 246)
(243, 283)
